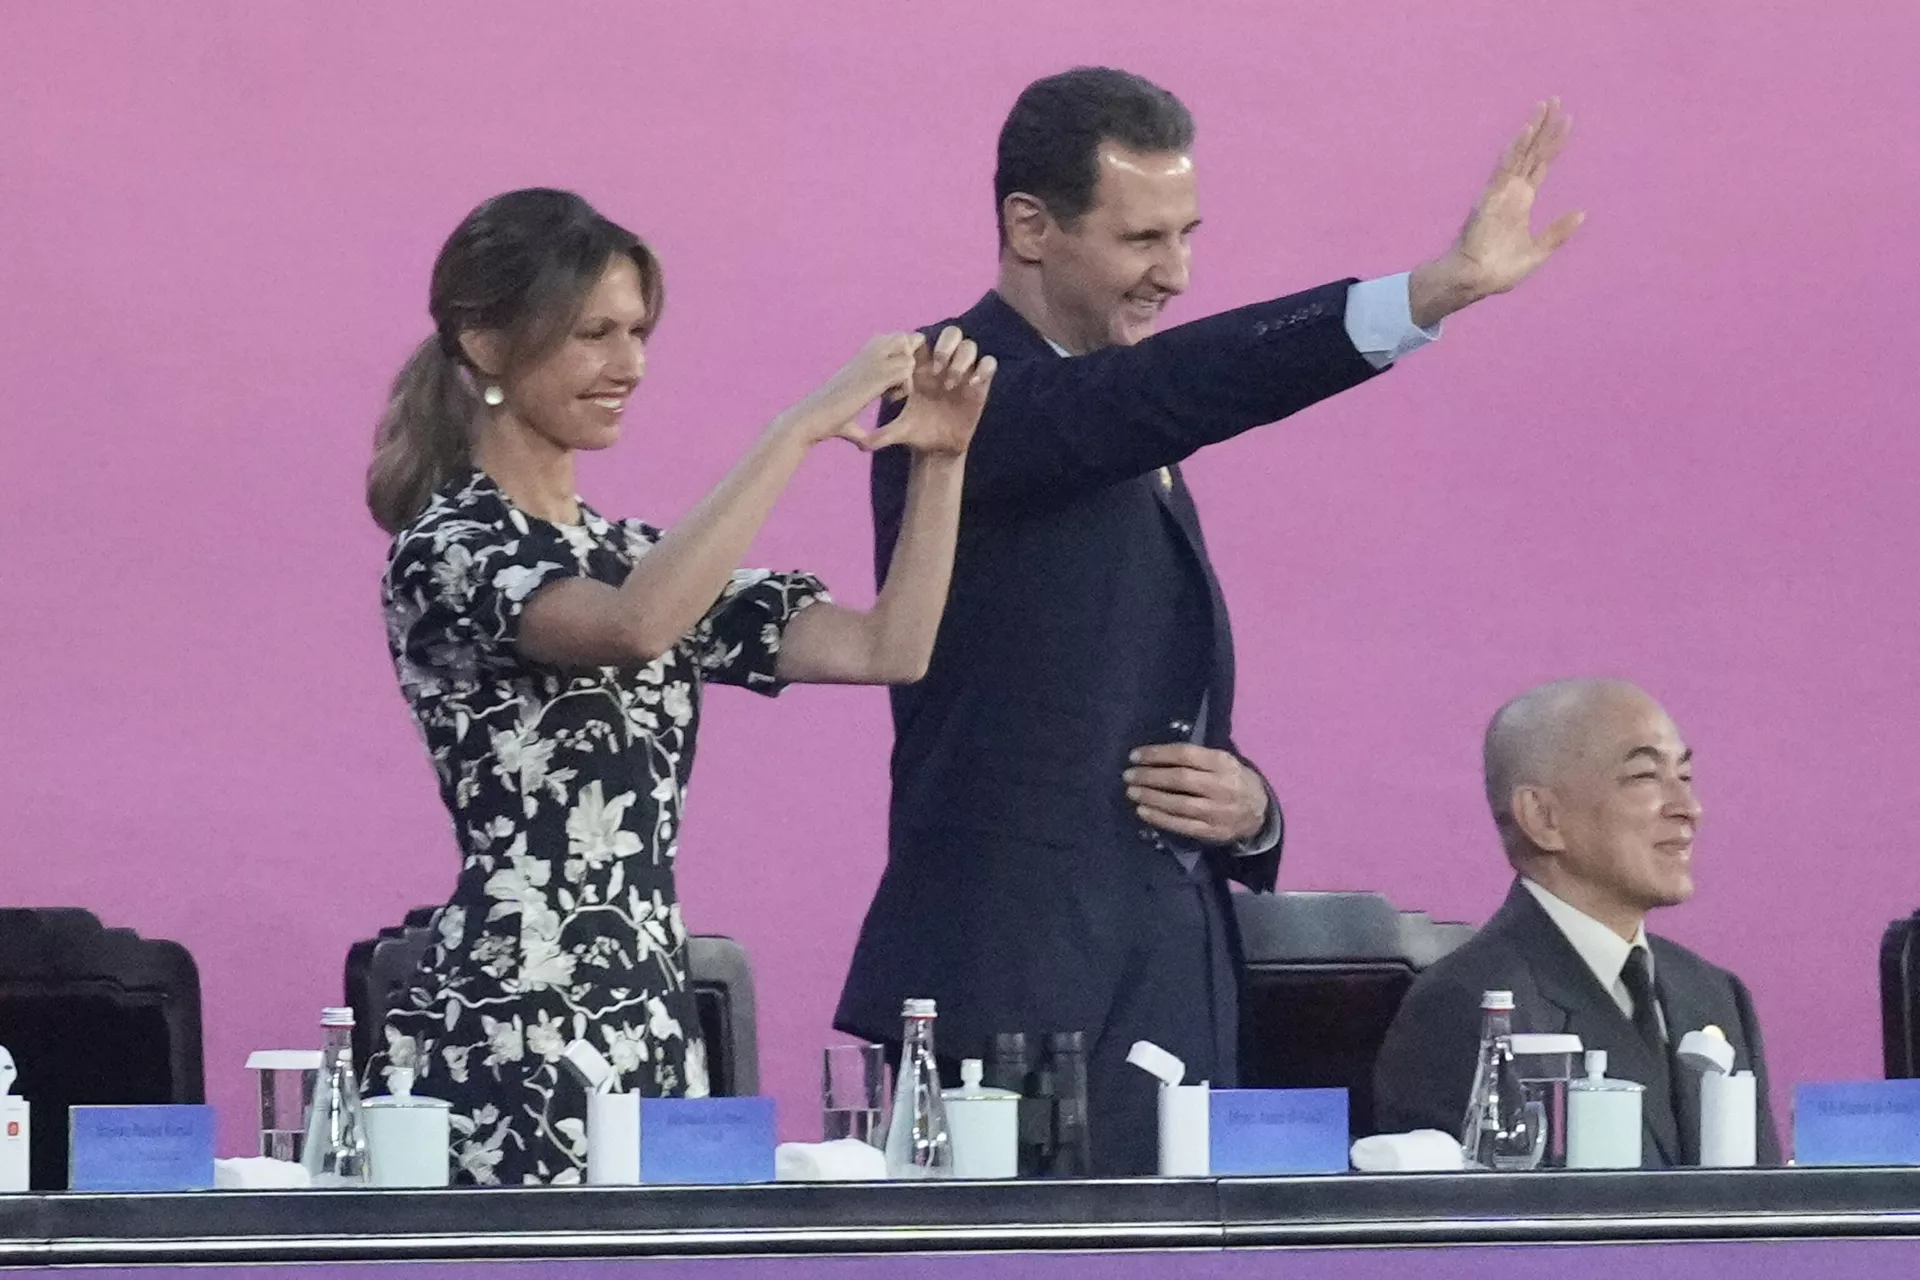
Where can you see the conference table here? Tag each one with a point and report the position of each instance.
(1755, 1223)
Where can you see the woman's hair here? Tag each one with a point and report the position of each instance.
(519, 266)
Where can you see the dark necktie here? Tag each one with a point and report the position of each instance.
(1637, 975)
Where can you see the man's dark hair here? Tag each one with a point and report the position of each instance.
(1050, 144)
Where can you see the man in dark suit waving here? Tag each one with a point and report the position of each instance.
(1592, 790)
(1068, 804)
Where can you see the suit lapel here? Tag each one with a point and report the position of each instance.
(1586, 1009)
(1004, 332)
(1177, 501)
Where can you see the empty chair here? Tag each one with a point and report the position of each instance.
(94, 1016)
(1900, 997)
(379, 969)
(1325, 973)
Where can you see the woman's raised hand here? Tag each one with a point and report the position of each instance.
(885, 364)
(948, 391)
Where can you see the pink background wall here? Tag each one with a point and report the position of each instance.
(1684, 453)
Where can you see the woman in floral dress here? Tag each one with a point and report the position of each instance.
(555, 660)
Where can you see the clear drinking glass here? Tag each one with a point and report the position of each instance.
(853, 1090)
(1545, 1065)
(286, 1082)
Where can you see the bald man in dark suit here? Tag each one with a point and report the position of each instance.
(1591, 787)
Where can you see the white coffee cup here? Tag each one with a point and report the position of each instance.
(1603, 1119)
(613, 1139)
(1185, 1124)
(984, 1125)
(408, 1137)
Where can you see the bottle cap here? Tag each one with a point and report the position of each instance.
(917, 1009)
(590, 1067)
(1010, 1045)
(336, 1016)
(1496, 1000)
(970, 1073)
(1706, 1050)
(1157, 1062)
(1596, 1063)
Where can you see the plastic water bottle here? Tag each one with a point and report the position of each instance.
(335, 1150)
(919, 1144)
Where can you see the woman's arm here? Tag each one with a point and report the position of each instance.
(892, 642)
(580, 622)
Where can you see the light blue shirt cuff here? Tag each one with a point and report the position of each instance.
(1268, 837)
(1380, 320)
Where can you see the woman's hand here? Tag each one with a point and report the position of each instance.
(887, 363)
(892, 643)
(949, 390)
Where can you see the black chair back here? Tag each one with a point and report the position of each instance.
(722, 983)
(1900, 997)
(93, 1016)
(379, 969)
(1325, 974)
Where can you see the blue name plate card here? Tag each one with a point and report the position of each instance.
(140, 1148)
(1863, 1122)
(728, 1140)
(1274, 1131)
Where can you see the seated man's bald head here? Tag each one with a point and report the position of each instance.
(1532, 739)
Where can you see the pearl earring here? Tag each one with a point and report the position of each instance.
(493, 395)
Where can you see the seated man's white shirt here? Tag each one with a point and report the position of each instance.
(1603, 950)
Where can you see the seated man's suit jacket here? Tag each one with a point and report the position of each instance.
(1425, 1070)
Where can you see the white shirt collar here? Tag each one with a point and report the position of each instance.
(1057, 348)
(1604, 951)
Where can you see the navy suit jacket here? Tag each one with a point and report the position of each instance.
(1013, 855)
(1425, 1069)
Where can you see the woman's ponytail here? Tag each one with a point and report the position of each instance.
(423, 439)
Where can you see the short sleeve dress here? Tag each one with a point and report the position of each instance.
(566, 788)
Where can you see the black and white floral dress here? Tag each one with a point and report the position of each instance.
(566, 789)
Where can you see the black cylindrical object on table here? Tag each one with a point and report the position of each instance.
(1010, 1067)
(1072, 1155)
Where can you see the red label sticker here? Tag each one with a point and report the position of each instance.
(13, 1128)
